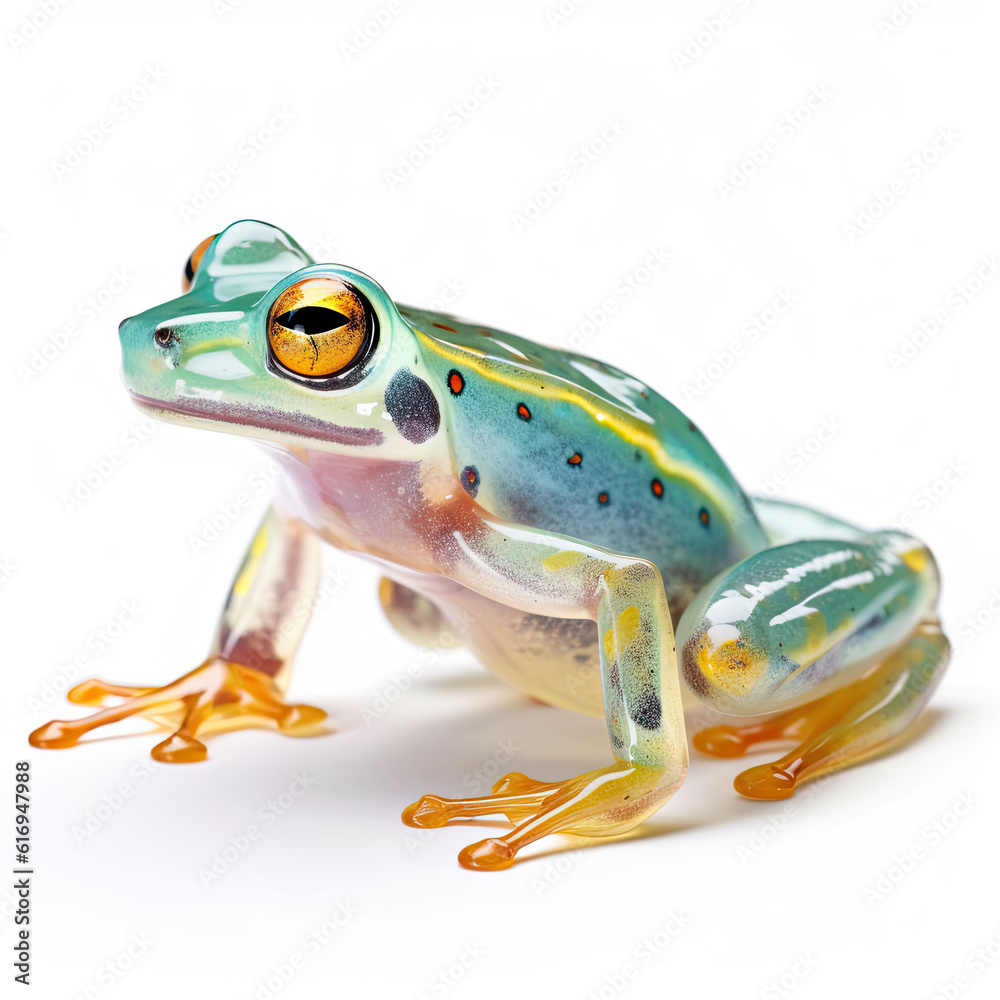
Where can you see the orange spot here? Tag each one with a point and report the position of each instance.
(736, 665)
(455, 382)
(602, 498)
(657, 488)
(523, 412)
(575, 459)
(450, 329)
(703, 516)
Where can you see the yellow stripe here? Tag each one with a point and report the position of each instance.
(243, 581)
(629, 431)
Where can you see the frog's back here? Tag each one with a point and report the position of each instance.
(568, 444)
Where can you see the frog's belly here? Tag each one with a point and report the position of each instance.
(553, 659)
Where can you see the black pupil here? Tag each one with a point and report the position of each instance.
(312, 320)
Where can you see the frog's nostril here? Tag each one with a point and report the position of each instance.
(164, 336)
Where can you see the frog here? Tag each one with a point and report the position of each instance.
(555, 516)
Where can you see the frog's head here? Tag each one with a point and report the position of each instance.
(267, 343)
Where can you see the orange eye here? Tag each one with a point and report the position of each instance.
(320, 327)
(194, 260)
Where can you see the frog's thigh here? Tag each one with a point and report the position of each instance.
(841, 638)
(415, 617)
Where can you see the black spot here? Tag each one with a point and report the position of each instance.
(470, 480)
(691, 426)
(645, 710)
(412, 406)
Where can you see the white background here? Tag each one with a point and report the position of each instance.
(761, 892)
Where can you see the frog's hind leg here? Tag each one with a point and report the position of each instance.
(242, 683)
(837, 637)
(842, 728)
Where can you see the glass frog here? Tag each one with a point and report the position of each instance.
(554, 513)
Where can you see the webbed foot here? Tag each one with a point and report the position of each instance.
(218, 695)
(598, 803)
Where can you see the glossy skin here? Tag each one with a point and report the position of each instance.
(555, 514)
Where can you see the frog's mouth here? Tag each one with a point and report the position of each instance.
(260, 422)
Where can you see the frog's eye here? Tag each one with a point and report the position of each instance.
(194, 260)
(320, 329)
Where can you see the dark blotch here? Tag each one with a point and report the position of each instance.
(413, 407)
(470, 480)
(645, 710)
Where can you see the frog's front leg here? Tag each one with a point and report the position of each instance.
(241, 683)
(552, 575)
